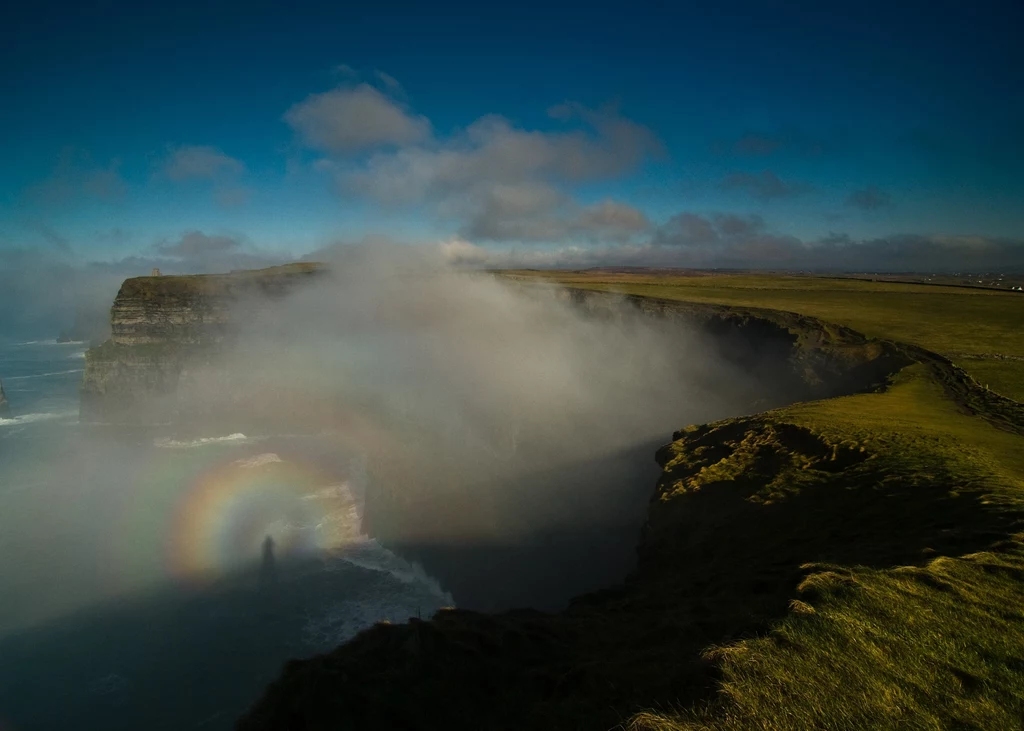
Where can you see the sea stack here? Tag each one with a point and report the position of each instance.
(4, 407)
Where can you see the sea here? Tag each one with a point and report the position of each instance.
(152, 580)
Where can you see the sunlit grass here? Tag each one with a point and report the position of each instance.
(1002, 376)
(933, 646)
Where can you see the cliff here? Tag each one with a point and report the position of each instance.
(783, 358)
(161, 325)
(799, 569)
(754, 521)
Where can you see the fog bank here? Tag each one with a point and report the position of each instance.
(496, 413)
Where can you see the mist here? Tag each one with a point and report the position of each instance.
(505, 429)
(403, 434)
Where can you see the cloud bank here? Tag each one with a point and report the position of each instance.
(737, 242)
(42, 290)
(498, 180)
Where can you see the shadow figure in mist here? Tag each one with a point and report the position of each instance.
(268, 563)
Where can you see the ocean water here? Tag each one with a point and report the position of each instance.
(150, 580)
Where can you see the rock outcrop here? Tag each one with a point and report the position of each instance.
(5, 408)
(161, 325)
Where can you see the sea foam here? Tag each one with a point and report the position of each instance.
(258, 461)
(44, 375)
(32, 418)
(167, 443)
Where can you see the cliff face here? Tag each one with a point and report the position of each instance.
(161, 326)
(794, 356)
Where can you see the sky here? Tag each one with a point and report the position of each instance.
(204, 136)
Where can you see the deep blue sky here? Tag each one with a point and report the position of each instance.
(124, 128)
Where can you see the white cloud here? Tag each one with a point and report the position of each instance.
(729, 241)
(76, 177)
(389, 81)
(346, 120)
(232, 196)
(496, 180)
(199, 162)
(196, 244)
(538, 212)
(491, 151)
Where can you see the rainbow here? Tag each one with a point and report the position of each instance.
(228, 511)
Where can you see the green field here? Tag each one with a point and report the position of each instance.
(935, 644)
(1002, 376)
(952, 321)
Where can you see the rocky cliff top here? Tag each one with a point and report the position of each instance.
(195, 308)
(272, 280)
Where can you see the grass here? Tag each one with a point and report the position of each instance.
(936, 645)
(1002, 376)
(189, 285)
(933, 647)
(953, 321)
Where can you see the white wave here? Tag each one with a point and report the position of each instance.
(258, 461)
(378, 602)
(51, 342)
(331, 492)
(75, 356)
(44, 375)
(377, 558)
(32, 418)
(167, 443)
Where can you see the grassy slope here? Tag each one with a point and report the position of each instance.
(1005, 377)
(953, 321)
(934, 646)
